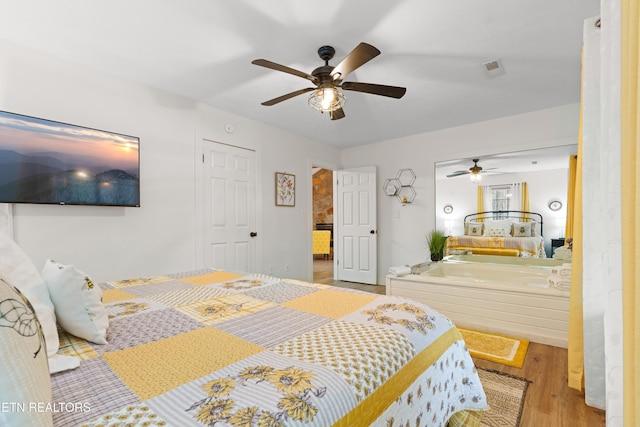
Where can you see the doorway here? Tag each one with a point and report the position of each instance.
(322, 202)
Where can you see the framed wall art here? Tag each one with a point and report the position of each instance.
(285, 189)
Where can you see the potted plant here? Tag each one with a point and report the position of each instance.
(436, 240)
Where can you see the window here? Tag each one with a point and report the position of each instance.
(500, 197)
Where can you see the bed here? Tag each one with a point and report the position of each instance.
(507, 233)
(221, 348)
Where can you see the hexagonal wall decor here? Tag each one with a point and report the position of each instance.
(401, 186)
(406, 177)
(391, 187)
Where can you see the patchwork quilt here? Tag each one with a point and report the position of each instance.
(527, 246)
(220, 348)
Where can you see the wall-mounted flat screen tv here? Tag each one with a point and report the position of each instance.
(43, 161)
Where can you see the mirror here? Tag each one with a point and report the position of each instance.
(544, 170)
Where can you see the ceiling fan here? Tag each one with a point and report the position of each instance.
(475, 171)
(329, 81)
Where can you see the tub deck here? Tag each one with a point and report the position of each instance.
(505, 305)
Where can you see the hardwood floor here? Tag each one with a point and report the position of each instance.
(323, 273)
(549, 402)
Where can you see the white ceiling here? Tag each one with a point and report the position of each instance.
(202, 49)
(506, 163)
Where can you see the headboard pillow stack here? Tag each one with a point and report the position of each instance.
(25, 385)
(502, 228)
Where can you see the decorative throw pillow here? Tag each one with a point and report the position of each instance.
(25, 384)
(18, 269)
(474, 228)
(78, 302)
(535, 226)
(494, 232)
(521, 229)
(497, 228)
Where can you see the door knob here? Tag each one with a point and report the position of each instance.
(373, 232)
(253, 234)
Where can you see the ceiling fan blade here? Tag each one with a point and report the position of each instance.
(287, 96)
(457, 173)
(362, 54)
(284, 69)
(390, 91)
(336, 114)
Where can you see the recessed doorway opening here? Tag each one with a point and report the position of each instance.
(322, 191)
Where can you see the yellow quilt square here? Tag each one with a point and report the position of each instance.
(155, 368)
(207, 279)
(330, 303)
(115, 295)
(139, 281)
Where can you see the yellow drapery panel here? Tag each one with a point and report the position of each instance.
(576, 338)
(480, 203)
(525, 201)
(630, 189)
(571, 192)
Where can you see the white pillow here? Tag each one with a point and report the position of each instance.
(17, 268)
(497, 228)
(534, 228)
(25, 378)
(78, 302)
(473, 228)
(521, 229)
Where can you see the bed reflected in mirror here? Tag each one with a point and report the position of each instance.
(535, 179)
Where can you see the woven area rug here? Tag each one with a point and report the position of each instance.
(503, 349)
(505, 395)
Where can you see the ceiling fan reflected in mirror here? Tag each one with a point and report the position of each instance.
(475, 172)
(327, 95)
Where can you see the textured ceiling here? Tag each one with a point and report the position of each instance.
(202, 49)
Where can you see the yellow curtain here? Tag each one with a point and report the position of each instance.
(571, 191)
(576, 338)
(525, 201)
(480, 203)
(630, 189)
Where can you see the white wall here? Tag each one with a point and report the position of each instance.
(402, 228)
(162, 235)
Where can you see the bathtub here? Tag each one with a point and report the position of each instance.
(507, 295)
(492, 268)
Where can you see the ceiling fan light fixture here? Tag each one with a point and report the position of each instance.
(475, 176)
(327, 98)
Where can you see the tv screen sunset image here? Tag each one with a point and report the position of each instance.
(43, 161)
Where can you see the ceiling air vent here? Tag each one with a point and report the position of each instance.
(493, 68)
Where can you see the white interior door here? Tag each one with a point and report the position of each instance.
(229, 207)
(356, 226)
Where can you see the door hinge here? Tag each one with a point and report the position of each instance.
(202, 157)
